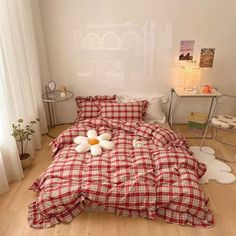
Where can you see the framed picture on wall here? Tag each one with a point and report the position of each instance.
(186, 50)
(207, 57)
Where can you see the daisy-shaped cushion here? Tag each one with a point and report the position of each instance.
(94, 143)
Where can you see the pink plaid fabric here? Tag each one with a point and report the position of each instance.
(157, 181)
(123, 111)
(87, 106)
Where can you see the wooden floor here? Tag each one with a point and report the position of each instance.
(13, 210)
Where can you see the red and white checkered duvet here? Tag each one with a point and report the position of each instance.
(156, 181)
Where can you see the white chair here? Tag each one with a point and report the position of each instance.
(226, 104)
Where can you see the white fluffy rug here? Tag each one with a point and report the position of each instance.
(216, 170)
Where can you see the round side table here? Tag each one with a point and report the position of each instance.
(52, 98)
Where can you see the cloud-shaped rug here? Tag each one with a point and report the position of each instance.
(216, 170)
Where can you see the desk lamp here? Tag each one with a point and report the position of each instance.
(191, 76)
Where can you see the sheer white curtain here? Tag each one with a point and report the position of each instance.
(20, 86)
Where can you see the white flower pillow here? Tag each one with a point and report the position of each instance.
(154, 112)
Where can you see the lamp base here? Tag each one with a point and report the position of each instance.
(188, 89)
(194, 90)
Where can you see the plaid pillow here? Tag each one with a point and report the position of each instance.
(87, 106)
(123, 111)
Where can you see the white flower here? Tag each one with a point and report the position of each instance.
(94, 143)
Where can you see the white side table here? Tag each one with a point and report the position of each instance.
(51, 99)
(181, 93)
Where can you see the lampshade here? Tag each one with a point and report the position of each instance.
(191, 75)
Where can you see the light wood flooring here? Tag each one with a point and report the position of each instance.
(13, 209)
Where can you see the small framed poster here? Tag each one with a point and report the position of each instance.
(207, 57)
(186, 50)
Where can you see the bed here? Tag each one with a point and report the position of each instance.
(158, 180)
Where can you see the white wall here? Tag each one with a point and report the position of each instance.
(137, 69)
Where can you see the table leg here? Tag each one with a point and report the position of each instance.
(51, 118)
(53, 115)
(211, 113)
(170, 109)
(50, 113)
(210, 109)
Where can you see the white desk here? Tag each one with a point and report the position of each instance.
(180, 92)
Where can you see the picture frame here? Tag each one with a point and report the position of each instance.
(52, 85)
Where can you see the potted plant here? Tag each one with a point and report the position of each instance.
(23, 134)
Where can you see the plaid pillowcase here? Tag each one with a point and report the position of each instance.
(87, 106)
(123, 111)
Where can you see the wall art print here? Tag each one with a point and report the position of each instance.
(207, 57)
(186, 50)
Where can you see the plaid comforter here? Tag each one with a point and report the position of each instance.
(158, 180)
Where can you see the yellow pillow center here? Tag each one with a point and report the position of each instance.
(93, 141)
